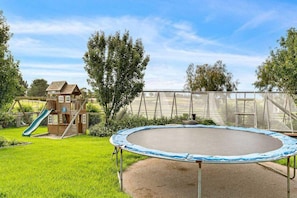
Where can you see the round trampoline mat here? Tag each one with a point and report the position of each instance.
(205, 141)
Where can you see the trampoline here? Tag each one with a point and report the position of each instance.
(205, 144)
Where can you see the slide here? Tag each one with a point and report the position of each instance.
(33, 126)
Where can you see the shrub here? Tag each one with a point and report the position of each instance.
(132, 121)
(5, 142)
(14, 142)
(25, 108)
(7, 120)
(100, 130)
(207, 122)
(95, 116)
(92, 108)
(2, 141)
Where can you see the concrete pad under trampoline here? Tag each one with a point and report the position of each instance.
(205, 145)
(156, 178)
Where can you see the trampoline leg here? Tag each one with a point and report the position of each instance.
(115, 152)
(288, 177)
(294, 173)
(121, 169)
(199, 178)
(118, 150)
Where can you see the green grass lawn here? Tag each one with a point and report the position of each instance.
(81, 166)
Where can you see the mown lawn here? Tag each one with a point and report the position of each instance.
(81, 166)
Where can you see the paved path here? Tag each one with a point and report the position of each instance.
(158, 178)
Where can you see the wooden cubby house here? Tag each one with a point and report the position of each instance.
(68, 109)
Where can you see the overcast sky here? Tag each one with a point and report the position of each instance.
(50, 36)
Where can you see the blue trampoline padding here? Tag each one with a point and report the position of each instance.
(288, 147)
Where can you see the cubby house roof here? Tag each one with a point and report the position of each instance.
(63, 88)
(71, 89)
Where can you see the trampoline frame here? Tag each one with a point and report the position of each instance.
(287, 152)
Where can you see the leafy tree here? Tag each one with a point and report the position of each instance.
(209, 78)
(190, 85)
(279, 71)
(24, 86)
(115, 66)
(38, 87)
(11, 82)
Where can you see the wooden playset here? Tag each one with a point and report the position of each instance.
(67, 109)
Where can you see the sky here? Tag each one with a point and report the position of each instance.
(50, 36)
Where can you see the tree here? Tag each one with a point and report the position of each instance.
(38, 87)
(209, 78)
(24, 86)
(11, 82)
(190, 85)
(115, 66)
(279, 71)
